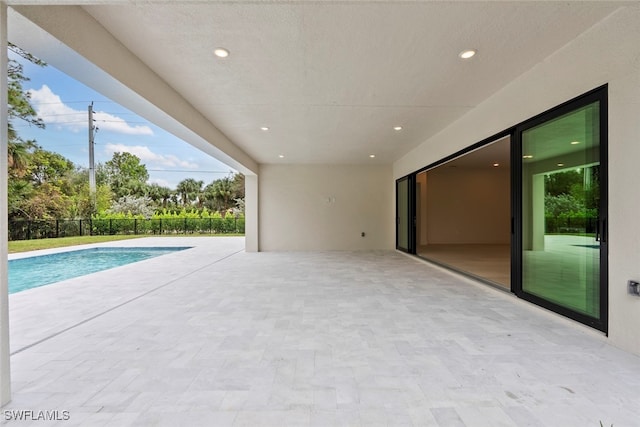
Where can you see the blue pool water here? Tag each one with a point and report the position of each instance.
(27, 273)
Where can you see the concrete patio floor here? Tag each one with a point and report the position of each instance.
(214, 336)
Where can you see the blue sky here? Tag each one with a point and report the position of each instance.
(62, 103)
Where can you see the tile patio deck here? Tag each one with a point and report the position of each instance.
(216, 336)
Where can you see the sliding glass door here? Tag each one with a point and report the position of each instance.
(563, 233)
(550, 247)
(404, 215)
(463, 213)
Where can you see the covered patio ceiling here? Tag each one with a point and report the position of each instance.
(330, 80)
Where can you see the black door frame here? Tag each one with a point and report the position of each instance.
(599, 94)
(596, 95)
(411, 214)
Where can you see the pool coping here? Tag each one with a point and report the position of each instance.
(143, 242)
(39, 314)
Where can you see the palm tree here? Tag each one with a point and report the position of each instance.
(223, 193)
(165, 195)
(209, 197)
(18, 158)
(189, 190)
(159, 194)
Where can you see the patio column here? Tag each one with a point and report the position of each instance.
(5, 370)
(537, 231)
(251, 210)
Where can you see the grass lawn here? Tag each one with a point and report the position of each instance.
(36, 244)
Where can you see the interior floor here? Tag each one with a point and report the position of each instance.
(490, 262)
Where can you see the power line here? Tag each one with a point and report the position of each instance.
(189, 171)
(50, 123)
(83, 121)
(120, 121)
(74, 102)
(62, 114)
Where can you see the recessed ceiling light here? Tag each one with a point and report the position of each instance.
(398, 128)
(372, 155)
(281, 156)
(560, 164)
(264, 128)
(495, 165)
(221, 52)
(575, 142)
(466, 54)
(527, 156)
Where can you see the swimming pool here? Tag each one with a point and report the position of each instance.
(27, 273)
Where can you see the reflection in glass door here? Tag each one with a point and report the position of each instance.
(403, 211)
(563, 212)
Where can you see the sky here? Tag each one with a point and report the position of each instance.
(63, 102)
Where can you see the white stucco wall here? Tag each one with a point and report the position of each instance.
(609, 53)
(5, 370)
(326, 207)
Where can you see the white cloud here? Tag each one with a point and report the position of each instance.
(147, 156)
(52, 110)
(109, 122)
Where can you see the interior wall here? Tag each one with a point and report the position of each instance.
(608, 52)
(468, 206)
(326, 207)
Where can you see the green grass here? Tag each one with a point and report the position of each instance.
(572, 234)
(36, 244)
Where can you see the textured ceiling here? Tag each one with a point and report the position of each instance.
(331, 79)
(498, 152)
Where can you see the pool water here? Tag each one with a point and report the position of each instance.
(27, 273)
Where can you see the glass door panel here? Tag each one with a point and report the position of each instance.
(402, 214)
(561, 182)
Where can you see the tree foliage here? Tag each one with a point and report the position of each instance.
(126, 175)
(225, 194)
(159, 194)
(574, 193)
(19, 106)
(190, 191)
(46, 185)
(133, 205)
(49, 167)
(25, 198)
(563, 204)
(82, 206)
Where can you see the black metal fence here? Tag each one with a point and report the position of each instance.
(570, 225)
(45, 228)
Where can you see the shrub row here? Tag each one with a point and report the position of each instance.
(229, 224)
(39, 229)
(565, 224)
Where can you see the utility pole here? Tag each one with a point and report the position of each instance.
(92, 165)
